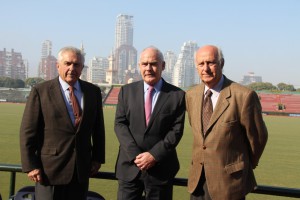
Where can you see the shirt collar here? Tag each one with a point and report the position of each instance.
(157, 86)
(65, 86)
(217, 87)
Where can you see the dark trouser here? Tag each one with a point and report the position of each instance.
(201, 191)
(73, 190)
(153, 188)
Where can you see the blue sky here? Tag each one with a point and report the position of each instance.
(256, 36)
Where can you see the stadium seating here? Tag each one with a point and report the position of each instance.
(112, 96)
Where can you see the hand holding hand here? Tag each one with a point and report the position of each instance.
(35, 175)
(144, 161)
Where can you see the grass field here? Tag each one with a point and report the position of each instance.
(279, 165)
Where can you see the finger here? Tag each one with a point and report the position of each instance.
(38, 178)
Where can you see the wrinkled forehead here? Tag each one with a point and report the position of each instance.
(206, 56)
(149, 57)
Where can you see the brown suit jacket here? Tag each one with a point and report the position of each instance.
(233, 144)
(49, 140)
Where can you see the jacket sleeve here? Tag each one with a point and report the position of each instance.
(168, 144)
(98, 136)
(126, 140)
(252, 120)
(31, 125)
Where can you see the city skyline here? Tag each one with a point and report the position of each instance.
(259, 37)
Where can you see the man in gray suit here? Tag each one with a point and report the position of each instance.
(147, 160)
(228, 148)
(60, 150)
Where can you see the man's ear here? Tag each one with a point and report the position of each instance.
(222, 62)
(163, 65)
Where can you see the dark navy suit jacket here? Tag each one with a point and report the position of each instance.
(160, 138)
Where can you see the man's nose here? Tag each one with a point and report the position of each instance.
(72, 66)
(206, 66)
(149, 66)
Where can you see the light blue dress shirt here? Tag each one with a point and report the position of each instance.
(64, 87)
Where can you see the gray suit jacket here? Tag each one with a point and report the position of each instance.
(233, 144)
(49, 140)
(160, 138)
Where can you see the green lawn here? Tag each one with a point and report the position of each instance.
(279, 165)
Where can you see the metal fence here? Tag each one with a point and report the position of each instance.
(261, 189)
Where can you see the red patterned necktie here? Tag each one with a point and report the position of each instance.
(148, 104)
(75, 106)
(207, 111)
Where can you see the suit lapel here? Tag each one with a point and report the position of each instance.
(58, 99)
(162, 99)
(222, 104)
(86, 101)
(139, 102)
(197, 110)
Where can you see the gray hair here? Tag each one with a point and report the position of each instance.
(159, 53)
(220, 56)
(71, 49)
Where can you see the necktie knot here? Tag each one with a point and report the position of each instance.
(71, 88)
(209, 93)
(151, 88)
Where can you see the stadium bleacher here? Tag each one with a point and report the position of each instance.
(290, 102)
(112, 96)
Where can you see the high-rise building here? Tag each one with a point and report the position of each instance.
(97, 70)
(250, 78)
(46, 49)
(84, 75)
(111, 73)
(170, 60)
(12, 65)
(124, 31)
(125, 55)
(47, 68)
(26, 64)
(185, 74)
(47, 65)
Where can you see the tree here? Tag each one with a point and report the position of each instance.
(261, 86)
(33, 81)
(285, 87)
(11, 83)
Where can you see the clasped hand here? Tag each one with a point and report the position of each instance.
(144, 161)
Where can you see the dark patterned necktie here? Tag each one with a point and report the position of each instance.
(207, 111)
(75, 106)
(148, 104)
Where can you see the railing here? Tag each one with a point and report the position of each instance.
(261, 189)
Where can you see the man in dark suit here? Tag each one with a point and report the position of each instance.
(56, 147)
(228, 148)
(147, 160)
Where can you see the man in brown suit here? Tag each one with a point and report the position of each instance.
(60, 150)
(226, 151)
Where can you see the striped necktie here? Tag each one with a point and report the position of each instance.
(75, 106)
(207, 111)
